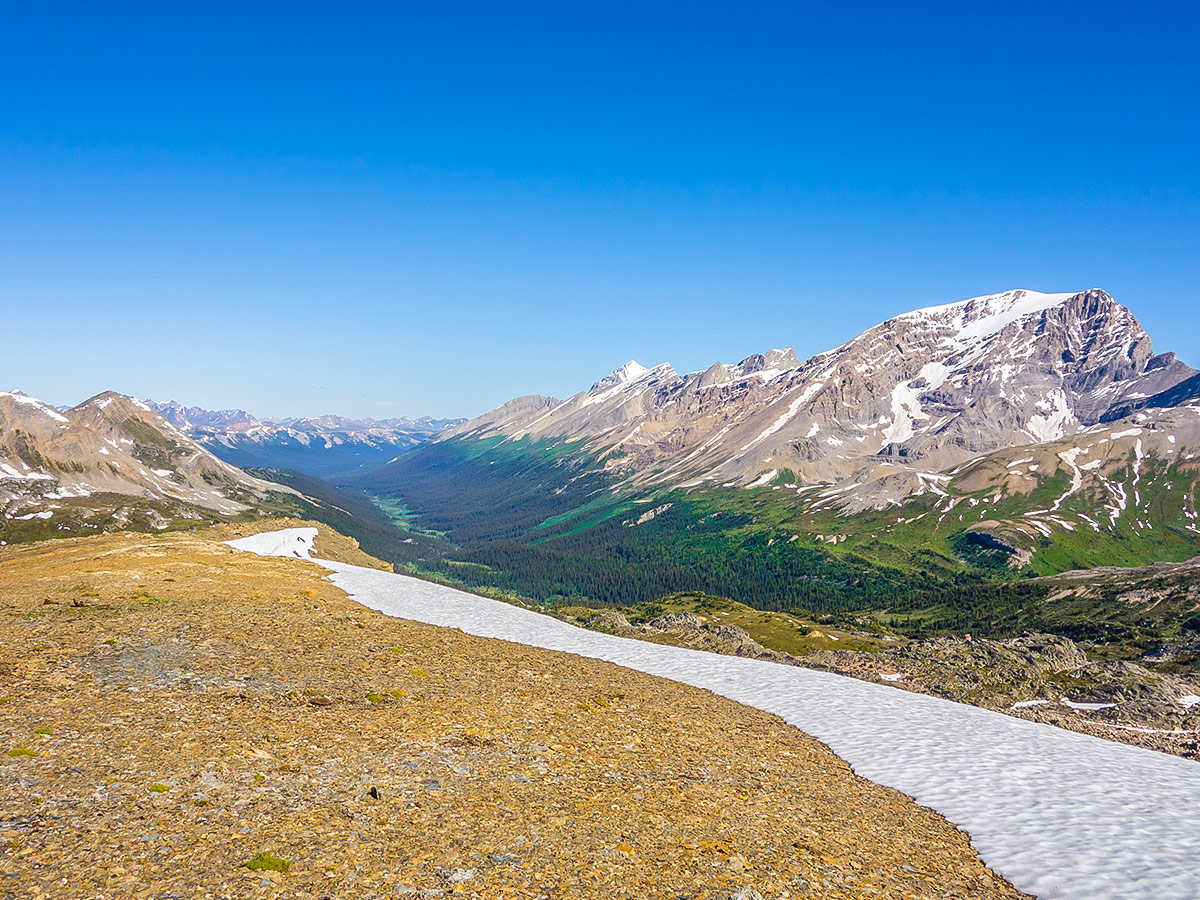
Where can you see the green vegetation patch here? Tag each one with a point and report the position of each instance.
(265, 862)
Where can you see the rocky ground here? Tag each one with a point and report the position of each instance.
(180, 720)
(1030, 676)
(1038, 676)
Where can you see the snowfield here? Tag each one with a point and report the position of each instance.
(1059, 814)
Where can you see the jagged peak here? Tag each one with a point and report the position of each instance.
(631, 371)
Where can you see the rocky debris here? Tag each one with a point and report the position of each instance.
(683, 629)
(498, 770)
(1030, 676)
(1181, 653)
(1033, 676)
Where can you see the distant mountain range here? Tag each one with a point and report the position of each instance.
(1026, 431)
(322, 446)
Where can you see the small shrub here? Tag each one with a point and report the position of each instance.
(21, 751)
(159, 788)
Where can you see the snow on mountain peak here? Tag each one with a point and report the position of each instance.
(24, 399)
(980, 317)
(626, 379)
(630, 371)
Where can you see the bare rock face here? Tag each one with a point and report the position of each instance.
(889, 413)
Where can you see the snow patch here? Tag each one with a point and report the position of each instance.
(7, 471)
(1131, 432)
(906, 407)
(297, 542)
(1052, 424)
(1088, 707)
(762, 479)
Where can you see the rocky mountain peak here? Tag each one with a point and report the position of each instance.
(186, 417)
(772, 362)
(899, 404)
(631, 371)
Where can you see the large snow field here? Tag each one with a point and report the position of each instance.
(1060, 814)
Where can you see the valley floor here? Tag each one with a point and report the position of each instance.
(171, 710)
(1062, 815)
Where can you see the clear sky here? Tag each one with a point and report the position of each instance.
(397, 208)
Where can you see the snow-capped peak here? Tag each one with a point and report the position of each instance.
(627, 378)
(631, 371)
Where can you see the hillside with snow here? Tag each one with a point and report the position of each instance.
(110, 462)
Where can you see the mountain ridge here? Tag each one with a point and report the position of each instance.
(937, 386)
(316, 445)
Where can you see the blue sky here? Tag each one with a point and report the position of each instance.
(428, 209)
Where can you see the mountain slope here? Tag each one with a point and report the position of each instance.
(321, 446)
(111, 461)
(929, 390)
